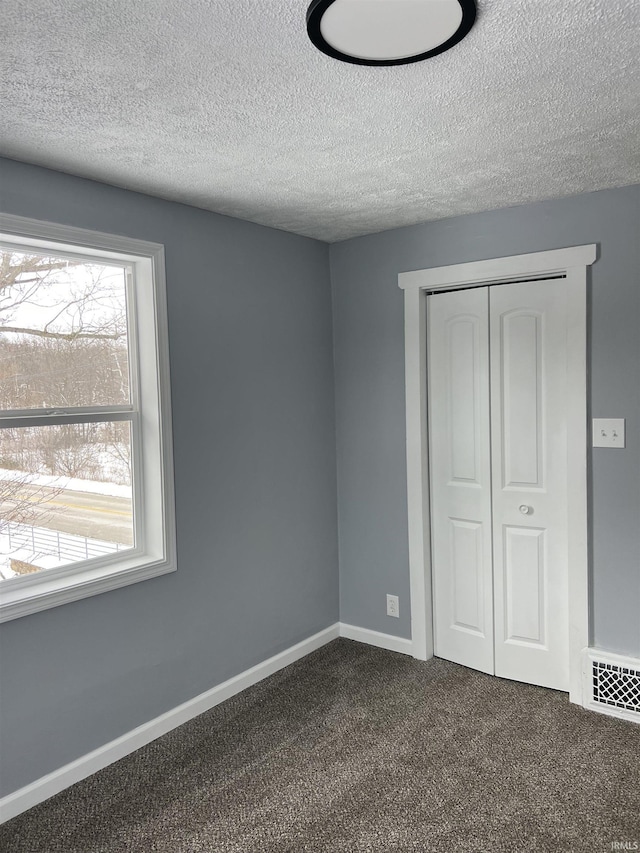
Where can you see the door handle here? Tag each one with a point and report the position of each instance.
(525, 510)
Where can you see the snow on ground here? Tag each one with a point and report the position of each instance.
(48, 549)
(70, 483)
(24, 555)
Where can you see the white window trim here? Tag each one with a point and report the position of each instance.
(156, 553)
(572, 262)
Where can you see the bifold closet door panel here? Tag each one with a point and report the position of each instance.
(460, 474)
(528, 334)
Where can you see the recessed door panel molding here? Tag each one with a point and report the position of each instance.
(466, 560)
(499, 478)
(462, 398)
(460, 470)
(524, 586)
(529, 390)
(522, 399)
(429, 483)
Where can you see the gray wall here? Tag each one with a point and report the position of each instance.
(369, 362)
(255, 455)
(254, 438)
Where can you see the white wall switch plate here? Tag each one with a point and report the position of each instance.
(608, 432)
(393, 608)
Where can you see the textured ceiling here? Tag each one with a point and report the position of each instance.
(226, 105)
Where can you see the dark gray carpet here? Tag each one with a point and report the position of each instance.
(358, 749)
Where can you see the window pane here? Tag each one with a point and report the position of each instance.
(65, 495)
(63, 333)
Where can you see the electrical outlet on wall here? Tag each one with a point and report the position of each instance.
(393, 608)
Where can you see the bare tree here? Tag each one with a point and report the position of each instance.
(23, 506)
(62, 344)
(21, 502)
(74, 314)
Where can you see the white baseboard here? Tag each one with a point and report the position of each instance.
(376, 638)
(45, 787)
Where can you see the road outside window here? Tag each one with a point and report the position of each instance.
(65, 489)
(86, 479)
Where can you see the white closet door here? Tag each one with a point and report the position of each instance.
(529, 473)
(460, 471)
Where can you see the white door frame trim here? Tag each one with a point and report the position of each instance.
(572, 263)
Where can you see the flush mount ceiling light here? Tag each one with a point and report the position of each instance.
(388, 32)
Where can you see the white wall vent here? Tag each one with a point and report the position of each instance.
(612, 684)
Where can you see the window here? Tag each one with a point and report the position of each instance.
(86, 477)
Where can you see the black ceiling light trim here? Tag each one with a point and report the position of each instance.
(317, 9)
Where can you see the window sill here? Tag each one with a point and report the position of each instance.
(149, 415)
(21, 600)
